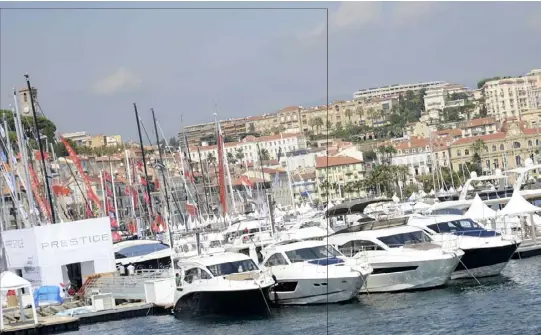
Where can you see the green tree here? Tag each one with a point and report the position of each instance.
(239, 154)
(231, 159)
(477, 148)
(318, 123)
(173, 142)
(349, 114)
(264, 154)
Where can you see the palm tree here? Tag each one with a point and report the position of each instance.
(318, 122)
(349, 113)
(360, 112)
(264, 154)
(211, 158)
(477, 148)
(231, 158)
(239, 154)
(371, 115)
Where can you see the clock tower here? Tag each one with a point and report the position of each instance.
(25, 106)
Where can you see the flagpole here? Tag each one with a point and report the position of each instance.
(40, 146)
(128, 169)
(104, 196)
(114, 191)
(288, 177)
(144, 167)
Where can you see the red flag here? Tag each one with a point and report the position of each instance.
(139, 165)
(156, 183)
(107, 176)
(127, 191)
(116, 236)
(246, 181)
(143, 181)
(38, 156)
(191, 209)
(114, 224)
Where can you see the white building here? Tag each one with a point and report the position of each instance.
(436, 100)
(414, 153)
(512, 96)
(57, 253)
(249, 147)
(396, 89)
(79, 138)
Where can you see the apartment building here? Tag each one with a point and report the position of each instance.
(511, 97)
(333, 173)
(415, 153)
(397, 89)
(248, 146)
(437, 99)
(477, 127)
(202, 132)
(507, 148)
(79, 138)
(263, 124)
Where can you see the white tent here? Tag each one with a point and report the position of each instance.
(10, 281)
(517, 205)
(479, 210)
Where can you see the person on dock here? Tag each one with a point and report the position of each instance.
(131, 269)
(121, 269)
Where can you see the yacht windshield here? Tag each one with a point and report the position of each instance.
(399, 240)
(140, 250)
(309, 254)
(461, 227)
(228, 268)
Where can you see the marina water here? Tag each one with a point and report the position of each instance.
(506, 304)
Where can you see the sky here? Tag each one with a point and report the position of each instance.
(90, 65)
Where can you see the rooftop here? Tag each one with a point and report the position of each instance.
(328, 161)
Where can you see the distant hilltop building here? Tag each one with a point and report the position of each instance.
(82, 138)
(25, 105)
(391, 90)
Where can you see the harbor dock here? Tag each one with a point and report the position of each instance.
(53, 324)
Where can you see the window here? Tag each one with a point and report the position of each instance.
(25, 97)
(518, 161)
(308, 254)
(493, 148)
(466, 152)
(452, 226)
(232, 267)
(276, 259)
(140, 250)
(459, 153)
(516, 145)
(530, 143)
(398, 240)
(496, 164)
(353, 247)
(502, 148)
(191, 275)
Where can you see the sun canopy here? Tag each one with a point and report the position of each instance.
(517, 205)
(479, 210)
(10, 281)
(353, 206)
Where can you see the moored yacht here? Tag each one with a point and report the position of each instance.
(312, 272)
(486, 252)
(403, 258)
(224, 283)
(143, 254)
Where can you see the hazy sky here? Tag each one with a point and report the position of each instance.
(90, 65)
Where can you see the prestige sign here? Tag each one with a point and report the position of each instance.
(82, 241)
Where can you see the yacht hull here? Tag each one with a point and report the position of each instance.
(316, 291)
(241, 302)
(410, 275)
(484, 262)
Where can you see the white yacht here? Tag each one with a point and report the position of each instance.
(486, 252)
(143, 254)
(225, 283)
(312, 272)
(403, 258)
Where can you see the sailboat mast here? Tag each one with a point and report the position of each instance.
(144, 165)
(114, 190)
(204, 183)
(40, 146)
(289, 177)
(162, 169)
(21, 142)
(128, 168)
